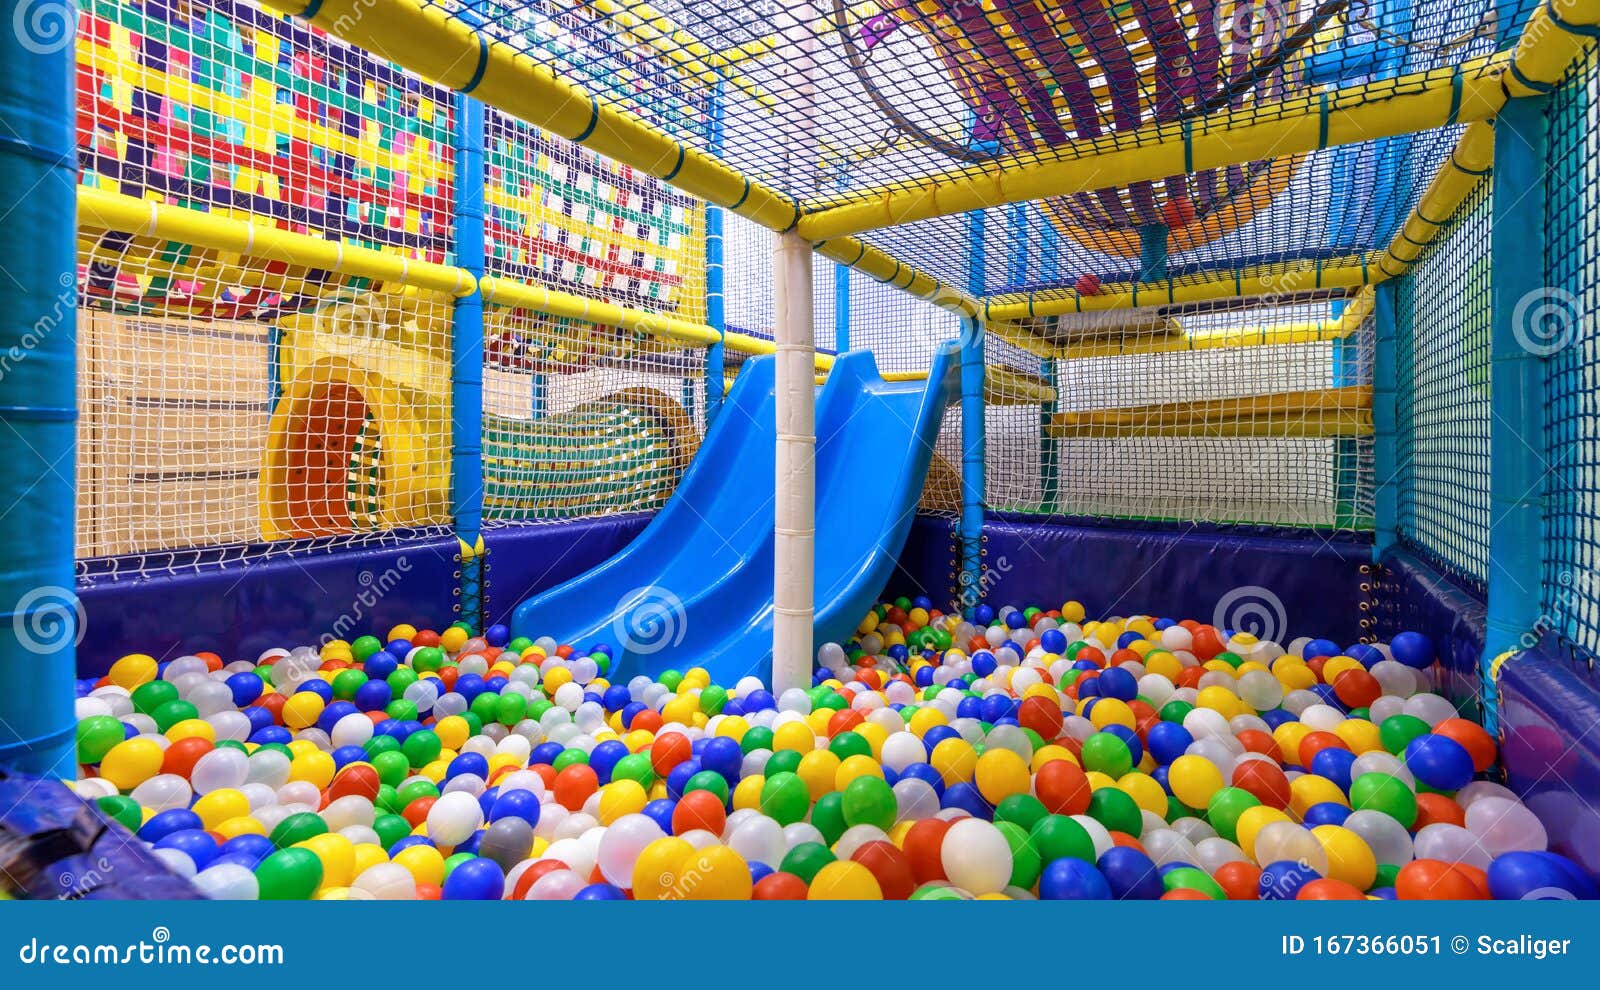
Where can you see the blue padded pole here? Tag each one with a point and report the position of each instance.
(466, 353)
(841, 309)
(716, 300)
(1153, 252)
(1516, 384)
(972, 428)
(38, 394)
(1385, 448)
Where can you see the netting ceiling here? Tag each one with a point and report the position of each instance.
(829, 100)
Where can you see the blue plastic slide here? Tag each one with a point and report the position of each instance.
(695, 588)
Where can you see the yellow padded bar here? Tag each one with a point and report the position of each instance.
(1322, 413)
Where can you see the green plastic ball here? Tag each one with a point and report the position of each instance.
(289, 875)
(784, 796)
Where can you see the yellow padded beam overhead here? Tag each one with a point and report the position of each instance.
(1302, 123)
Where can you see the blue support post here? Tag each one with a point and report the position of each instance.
(716, 299)
(1385, 417)
(1516, 385)
(972, 429)
(466, 360)
(40, 619)
(841, 309)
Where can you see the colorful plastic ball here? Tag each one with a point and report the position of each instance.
(96, 735)
(1105, 753)
(1239, 880)
(1063, 788)
(889, 866)
(1412, 649)
(1433, 880)
(869, 801)
(477, 879)
(1538, 876)
(1073, 880)
(780, 887)
(699, 809)
(976, 856)
(1385, 793)
(131, 762)
(1439, 762)
(1131, 874)
(844, 880)
(806, 860)
(1283, 880)
(1194, 779)
(291, 874)
(1117, 811)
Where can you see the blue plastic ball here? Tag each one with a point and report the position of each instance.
(318, 687)
(982, 615)
(660, 810)
(966, 797)
(600, 892)
(1071, 879)
(545, 752)
(380, 665)
(1320, 648)
(1538, 876)
(605, 757)
(1131, 874)
(926, 773)
(164, 823)
(498, 635)
(1334, 763)
(346, 755)
(1114, 682)
(1412, 649)
(246, 687)
(475, 880)
(1281, 881)
(473, 763)
(1167, 741)
(1439, 761)
(616, 697)
(516, 804)
(723, 755)
(1015, 619)
(193, 842)
(374, 696)
(1326, 813)
(983, 663)
(255, 848)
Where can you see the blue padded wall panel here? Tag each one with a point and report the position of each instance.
(524, 560)
(237, 610)
(1413, 595)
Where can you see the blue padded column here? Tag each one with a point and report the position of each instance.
(39, 612)
(972, 428)
(1385, 446)
(466, 360)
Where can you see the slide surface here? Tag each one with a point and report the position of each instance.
(695, 588)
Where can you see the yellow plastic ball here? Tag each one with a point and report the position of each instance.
(220, 806)
(424, 863)
(1161, 662)
(243, 825)
(1219, 699)
(733, 727)
(556, 678)
(1349, 857)
(1334, 666)
(1309, 789)
(1293, 673)
(132, 671)
(926, 718)
(844, 880)
(1360, 735)
(453, 731)
(1145, 791)
(794, 736)
(621, 797)
(302, 709)
(715, 873)
(368, 854)
(875, 735)
(818, 720)
(747, 793)
(1000, 773)
(819, 769)
(1044, 754)
(856, 766)
(317, 768)
(1288, 736)
(868, 623)
(132, 762)
(402, 631)
(955, 759)
(1112, 711)
(1072, 612)
(453, 639)
(1252, 822)
(681, 709)
(1098, 780)
(656, 871)
(1194, 779)
(338, 856)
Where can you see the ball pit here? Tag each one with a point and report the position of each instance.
(1023, 754)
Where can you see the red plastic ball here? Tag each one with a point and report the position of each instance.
(1435, 808)
(1473, 738)
(574, 785)
(1315, 742)
(1062, 788)
(780, 887)
(1434, 880)
(923, 844)
(1041, 715)
(1087, 284)
(182, 755)
(1329, 890)
(1357, 688)
(1241, 881)
(890, 867)
(1268, 783)
(669, 750)
(699, 810)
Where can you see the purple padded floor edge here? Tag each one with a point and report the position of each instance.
(1549, 708)
(1412, 595)
(524, 560)
(1120, 570)
(239, 609)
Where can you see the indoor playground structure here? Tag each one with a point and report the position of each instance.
(800, 449)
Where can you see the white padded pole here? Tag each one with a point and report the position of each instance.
(794, 543)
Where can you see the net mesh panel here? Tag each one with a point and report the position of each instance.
(219, 108)
(1014, 442)
(582, 419)
(897, 90)
(1442, 386)
(1571, 582)
(1157, 421)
